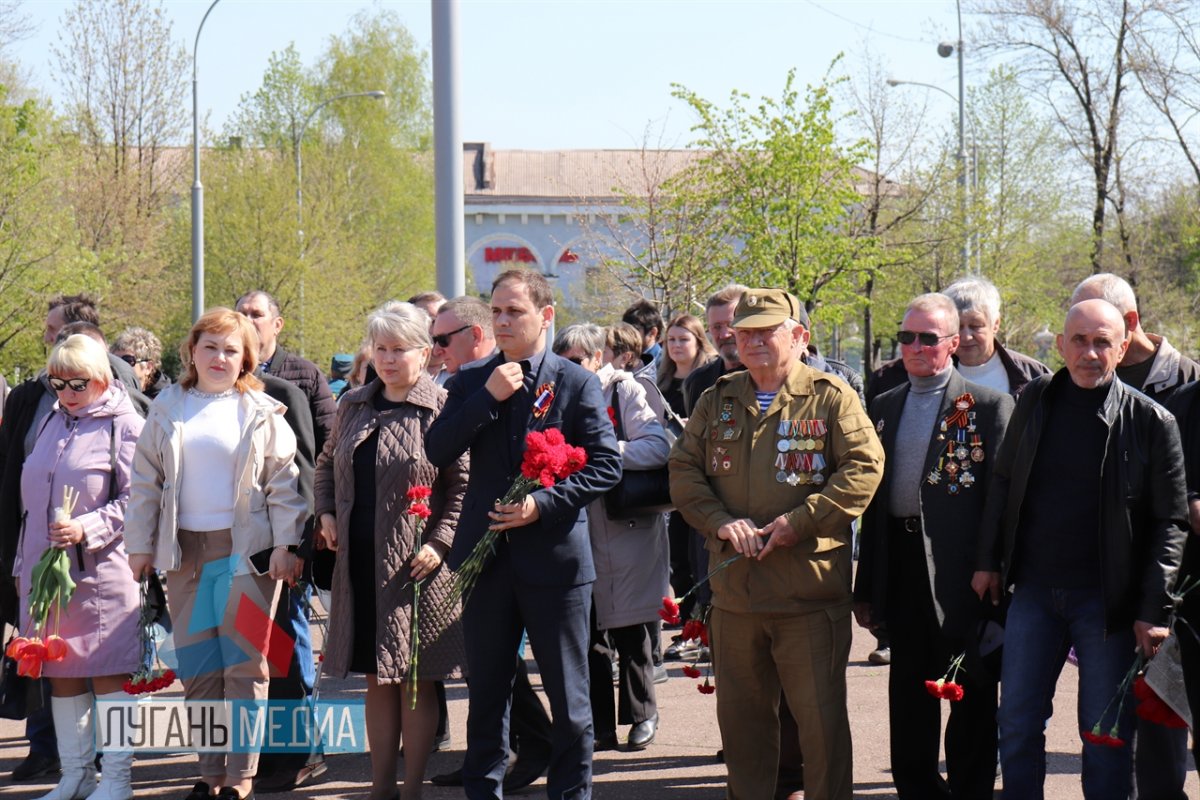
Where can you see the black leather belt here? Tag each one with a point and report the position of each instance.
(907, 524)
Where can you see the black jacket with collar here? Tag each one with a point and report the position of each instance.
(1143, 499)
(949, 522)
(312, 382)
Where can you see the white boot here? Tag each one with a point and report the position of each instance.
(76, 747)
(116, 767)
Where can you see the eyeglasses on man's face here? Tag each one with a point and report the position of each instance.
(925, 338)
(443, 339)
(131, 360)
(74, 384)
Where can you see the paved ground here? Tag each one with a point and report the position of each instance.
(678, 765)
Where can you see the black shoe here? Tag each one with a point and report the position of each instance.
(642, 734)
(230, 793)
(36, 765)
(284, 780)
(448, 779)
(524, 772)
(605, 741)
(201, 791)
(441, 742)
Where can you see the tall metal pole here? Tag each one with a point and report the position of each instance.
(296, 140)
(962, 149)
(447, 150)
(968, 236)
(197, 187)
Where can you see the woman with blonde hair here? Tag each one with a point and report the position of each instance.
(215, 505)
(84, 447)
(390, 618)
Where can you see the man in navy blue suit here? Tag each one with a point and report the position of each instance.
(540, 577)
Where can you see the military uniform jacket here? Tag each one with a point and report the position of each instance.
(813, 456)
(962, 448)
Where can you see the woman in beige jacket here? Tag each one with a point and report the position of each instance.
(214, 503)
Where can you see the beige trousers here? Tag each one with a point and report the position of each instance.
(754, 656)
(217, 660)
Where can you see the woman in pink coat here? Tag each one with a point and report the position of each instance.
(86, 444)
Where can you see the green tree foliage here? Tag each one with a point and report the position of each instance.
(367, 212)
(37, 256)
(788, 187)
(125, 80)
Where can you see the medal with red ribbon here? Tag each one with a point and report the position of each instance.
(962, 404)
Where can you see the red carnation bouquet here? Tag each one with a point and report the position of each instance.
(548, 459)
(151, 675)
(418, 508)
(944, 688)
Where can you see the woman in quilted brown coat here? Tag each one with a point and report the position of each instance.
(373, 457)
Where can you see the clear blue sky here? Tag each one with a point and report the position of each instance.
(571, 74)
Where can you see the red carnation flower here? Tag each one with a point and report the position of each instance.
(952, 692)
(706, 688)
(691, 672)
(420, 510)
(612, 416)
(934, 688)
(169, 676)
(669, 612)
(420, 492)
(1094, 738)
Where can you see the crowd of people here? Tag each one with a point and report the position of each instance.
(985, 498)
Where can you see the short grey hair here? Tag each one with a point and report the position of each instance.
(975, 294)
(399, 322)
(471, 310)
(1107, 286)
(140, 343)
(584, 336)
(936, 301)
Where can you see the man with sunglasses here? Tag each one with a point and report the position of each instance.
(773, 465)
(980, 357)
(940, 435)
(462, 333)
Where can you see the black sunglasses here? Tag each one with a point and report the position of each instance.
(74, 384)
(927, 339)
(132, 361)
(443, 339)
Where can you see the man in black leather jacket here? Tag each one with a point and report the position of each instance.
(1085, 520)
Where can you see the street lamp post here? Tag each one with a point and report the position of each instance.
(296, 140)
(197, 187)
(961, 158)
(945, 50)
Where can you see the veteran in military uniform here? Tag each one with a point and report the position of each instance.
(917, 555)
(774, 464)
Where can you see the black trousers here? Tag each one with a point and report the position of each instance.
(630, 647)
(921, 652)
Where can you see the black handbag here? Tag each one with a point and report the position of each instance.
(19, 696)
(640, 491)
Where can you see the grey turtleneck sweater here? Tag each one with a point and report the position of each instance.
(917, 421)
